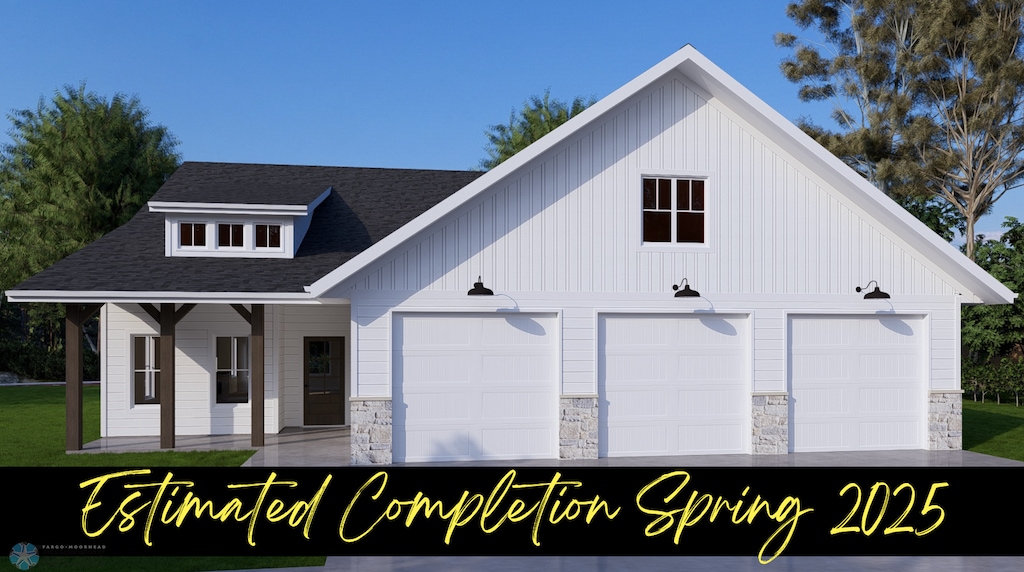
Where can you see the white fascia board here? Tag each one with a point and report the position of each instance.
(229, 209)
(99, 297)
(981, 286)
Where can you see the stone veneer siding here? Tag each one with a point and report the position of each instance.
(770, 424)
(371, 431)
(945, 421)
(577, 428)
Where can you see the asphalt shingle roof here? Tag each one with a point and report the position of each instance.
(366, 205)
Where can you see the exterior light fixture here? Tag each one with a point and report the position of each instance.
(479, 290)
(875, 294)
(686, 292)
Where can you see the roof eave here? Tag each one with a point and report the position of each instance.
(99, 297)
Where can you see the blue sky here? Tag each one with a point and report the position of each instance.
(380, 83)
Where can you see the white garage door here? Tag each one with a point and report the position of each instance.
(475, 386)
(673, 385)
(856, 383)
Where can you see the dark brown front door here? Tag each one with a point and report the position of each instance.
(324, 381)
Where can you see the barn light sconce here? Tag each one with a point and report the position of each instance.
(875, 294)
(479, 290)
(686, 292)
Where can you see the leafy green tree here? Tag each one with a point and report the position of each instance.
(927, 98)
(539, 116)
(78, 167)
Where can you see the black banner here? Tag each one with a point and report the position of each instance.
(609, 511)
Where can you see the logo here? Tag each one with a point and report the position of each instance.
(24, 555)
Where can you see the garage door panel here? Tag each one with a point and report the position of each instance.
(865, 393)
(484, 388)
(672, 385)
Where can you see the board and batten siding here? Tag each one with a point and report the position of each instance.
(570, 221)
(196, 411)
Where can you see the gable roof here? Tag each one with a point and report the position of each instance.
(363, 206)
(977, 286)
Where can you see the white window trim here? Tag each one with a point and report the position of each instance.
(173, 247)
(150, 378)
(710, 206)
(256, 225)
(234, 370)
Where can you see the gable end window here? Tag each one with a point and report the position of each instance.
(231, 235)
(193, 234)
(146, 369)
(232, 369)
(673, 211)
(268, 236)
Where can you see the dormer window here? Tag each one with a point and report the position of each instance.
(193, 234)
(230, 235)
(268, 236)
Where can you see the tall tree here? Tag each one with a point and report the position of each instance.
(78, 167)
(923, 110)
(539, 116)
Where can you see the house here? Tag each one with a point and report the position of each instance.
(676, 270)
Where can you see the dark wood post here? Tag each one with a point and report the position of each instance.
(167, 322)
(75, 316)
(257, 382)
(74, 371)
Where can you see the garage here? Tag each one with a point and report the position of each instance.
(857, 383)
(475, 387)
(673, 385)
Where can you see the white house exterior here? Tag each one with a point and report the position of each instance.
(680, 178)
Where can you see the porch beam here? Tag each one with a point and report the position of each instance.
(167, 323)
(245, 314)
(257, 370)
(182, 312)
(151, 310)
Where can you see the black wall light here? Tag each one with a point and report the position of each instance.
(875, 294)
(479, 290)
(686, 292)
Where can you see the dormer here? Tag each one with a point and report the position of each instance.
(234, 230)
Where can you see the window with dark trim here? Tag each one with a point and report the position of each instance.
(232, 369)
(268, 236)
(673, 210)
(146, 369)
(193, 234)
(230, 235)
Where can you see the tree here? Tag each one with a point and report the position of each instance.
(927, 98)
(539, 116)
(78, 167)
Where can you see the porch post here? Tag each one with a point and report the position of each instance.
(73, 372)
(257, 381)
(167, 376)
(75, 316)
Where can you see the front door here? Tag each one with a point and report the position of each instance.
(324, 381)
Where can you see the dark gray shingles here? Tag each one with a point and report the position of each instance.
(367, 204)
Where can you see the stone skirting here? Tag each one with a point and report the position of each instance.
(577, 428)
(770, 424)
(371, 431)
(945, 421)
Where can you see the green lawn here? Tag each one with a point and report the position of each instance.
(994, 429)
(32, 435)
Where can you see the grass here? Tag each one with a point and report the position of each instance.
(32, 435)
(992, 429)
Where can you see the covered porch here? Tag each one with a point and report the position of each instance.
(286, 364)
